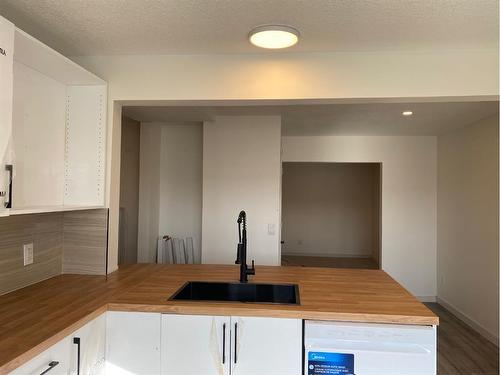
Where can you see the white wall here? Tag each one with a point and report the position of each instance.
(241, 171)
(386, 74)
(329, 209)
(170, 185)
(409, 185)
(331, 76)
(181, 182)
(468, 224)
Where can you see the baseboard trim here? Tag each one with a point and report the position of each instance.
(469, 321)
(302, 254)
(426, 298)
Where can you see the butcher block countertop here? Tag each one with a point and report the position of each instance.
(36, 317)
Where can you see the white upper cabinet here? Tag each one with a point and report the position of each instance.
(52, 129)
(37, 139)
(6, 63)
(85, 145)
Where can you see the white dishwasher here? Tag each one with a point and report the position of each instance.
(336, 348)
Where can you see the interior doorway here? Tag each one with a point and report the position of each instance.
(331, 215)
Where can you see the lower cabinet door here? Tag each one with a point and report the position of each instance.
(266, 346)
(195, 345)
(133, 343)
(88, 346)
(53, 361)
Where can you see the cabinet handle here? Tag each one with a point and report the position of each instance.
(224, 343)
(76, 341)
(51, 365)
(9, 168)
(235, 343)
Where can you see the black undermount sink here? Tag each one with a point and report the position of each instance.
(238, 292)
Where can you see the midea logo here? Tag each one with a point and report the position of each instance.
(3, 52)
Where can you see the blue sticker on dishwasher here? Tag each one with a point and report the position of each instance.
(319, 363)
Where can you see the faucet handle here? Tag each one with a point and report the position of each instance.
(251, 271)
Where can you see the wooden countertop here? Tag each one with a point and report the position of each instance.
(36, 317)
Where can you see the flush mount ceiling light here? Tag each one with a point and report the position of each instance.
(407, 113)
(274, 36)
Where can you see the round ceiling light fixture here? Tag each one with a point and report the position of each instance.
(407, 113)
(274, 36)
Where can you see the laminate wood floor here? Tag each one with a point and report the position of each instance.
(461, 350)
(330, 262)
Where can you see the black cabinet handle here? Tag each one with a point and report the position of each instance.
(224, 343)
(76, 341)
(51, 365)
(9, 168)
(235, 342)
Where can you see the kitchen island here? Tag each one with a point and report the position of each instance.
(34, 318)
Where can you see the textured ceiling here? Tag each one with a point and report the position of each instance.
(97, 27)
(339, 119)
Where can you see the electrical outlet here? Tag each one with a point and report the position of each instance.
(28, 253)
(299, 242)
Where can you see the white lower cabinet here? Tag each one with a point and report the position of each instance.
(136, 343)
(266, 346)
(194, 344)
(84, 356)
(88, 348)
(133, 342)
(53, 361)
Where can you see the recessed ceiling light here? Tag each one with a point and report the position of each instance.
(407, 113)
(274, 36)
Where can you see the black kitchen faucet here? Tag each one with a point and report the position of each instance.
(241, 254)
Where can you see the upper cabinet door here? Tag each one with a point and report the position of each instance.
(266, 346)
(6, 79)
(195, 344)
